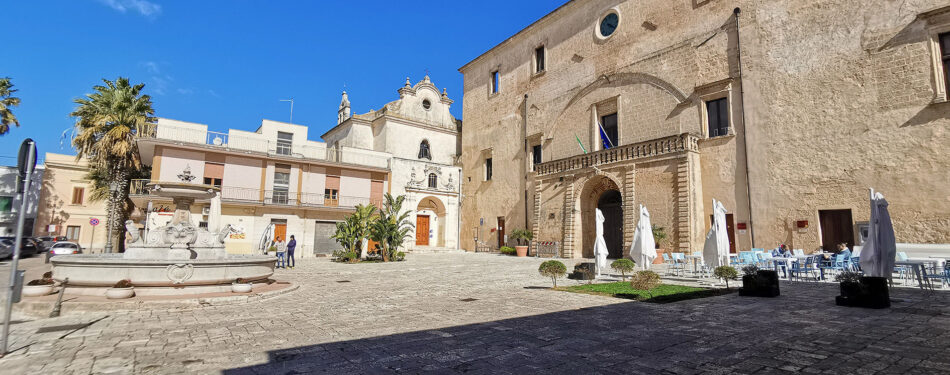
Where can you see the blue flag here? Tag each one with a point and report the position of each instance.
(605, 139)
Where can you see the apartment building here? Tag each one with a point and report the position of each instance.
(65, 207)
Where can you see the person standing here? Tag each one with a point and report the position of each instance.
(281, 249)
(291, 245)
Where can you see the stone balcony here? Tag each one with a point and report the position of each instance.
(642, 150)
(278, 198)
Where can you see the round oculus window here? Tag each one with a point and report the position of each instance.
(609, 24)
(426, 104)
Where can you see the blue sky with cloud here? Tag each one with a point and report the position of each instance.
(228, 63)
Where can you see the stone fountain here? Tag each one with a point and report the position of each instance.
(178, 258)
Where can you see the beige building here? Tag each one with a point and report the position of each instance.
(787, 118)
(65, 207)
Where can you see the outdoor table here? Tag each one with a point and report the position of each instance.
(920, 270)
(786, 264)
(695, 259)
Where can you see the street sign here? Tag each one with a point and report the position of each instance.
(93, 221)
(24, 163)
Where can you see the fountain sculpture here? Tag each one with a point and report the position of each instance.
(178, 258)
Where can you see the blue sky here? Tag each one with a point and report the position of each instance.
(228, 63)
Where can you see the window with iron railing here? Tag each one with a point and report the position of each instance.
(284, 143)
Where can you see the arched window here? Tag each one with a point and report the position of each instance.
(424, 150)
(433, 180)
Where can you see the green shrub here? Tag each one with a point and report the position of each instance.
(848, 277)
(552, 269)
(399, 256)
(645, 281)
(726, 273)
(43, 281)
(623, 266)
(750, 270)
(507, 250)
(125, 283)
(523, 236)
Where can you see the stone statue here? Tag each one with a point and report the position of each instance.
(134, 235)
(223, 233)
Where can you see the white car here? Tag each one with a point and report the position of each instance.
(65, 248)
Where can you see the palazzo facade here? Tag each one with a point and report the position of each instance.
(786, 111)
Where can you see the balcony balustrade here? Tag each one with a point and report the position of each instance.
(234, 142)
(642, 150)
(271, 197)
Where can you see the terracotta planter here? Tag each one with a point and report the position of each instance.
(37, 290)
(241, 288)
(120, 293)
(522, 251)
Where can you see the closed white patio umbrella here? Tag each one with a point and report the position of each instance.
(643, 248)
(880, 248)
(600, 246)
(716, 248)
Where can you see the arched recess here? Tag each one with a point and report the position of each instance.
(430, 222)
(593, 190)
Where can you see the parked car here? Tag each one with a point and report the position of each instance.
(27, 248)
(6, 249)
(65, 248)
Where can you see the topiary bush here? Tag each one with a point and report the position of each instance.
(726, 273)
(507, 250)
(645, 280)
(623, 266)
(552, 269)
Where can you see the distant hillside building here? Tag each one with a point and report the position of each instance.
(787, 118)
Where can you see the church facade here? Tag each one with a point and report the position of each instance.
(787, 112)
(422, 137)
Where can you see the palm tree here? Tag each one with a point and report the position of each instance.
(391, 227)
(7, 101)
(108, 122)
(362, 219)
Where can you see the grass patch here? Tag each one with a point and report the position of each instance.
(664, 293)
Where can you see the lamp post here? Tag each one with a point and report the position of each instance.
(113, 189)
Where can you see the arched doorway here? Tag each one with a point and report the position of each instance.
(611, 205)
(430, 222)
(600, 192)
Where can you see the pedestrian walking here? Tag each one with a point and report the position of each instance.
(281, 249)
(291, 245)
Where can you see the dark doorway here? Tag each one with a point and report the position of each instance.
(501, 231)
(611, 204)
(836, 227)
(730, 229)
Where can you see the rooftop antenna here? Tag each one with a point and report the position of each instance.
(291, 100)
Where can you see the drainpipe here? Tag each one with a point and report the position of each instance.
(524, 165)
(745, 132)
(458, 215)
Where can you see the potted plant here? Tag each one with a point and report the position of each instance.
(241, 285)
(552, 269)
(524, 237)
(659, 234)
(849, 283)
(39, 287)
(121, 289)
(759, 283)
(623, 266)
(862, 291)
(583, 271)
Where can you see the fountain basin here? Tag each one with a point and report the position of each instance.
(104, 270)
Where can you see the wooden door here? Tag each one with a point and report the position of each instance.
(730, 230)
(280, 231)
(501, 231)
(422, 230)
(836, 227)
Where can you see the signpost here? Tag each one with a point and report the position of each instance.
(92, 221)
(26, 162)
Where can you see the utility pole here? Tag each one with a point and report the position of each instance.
(25, 163)
(291, 100)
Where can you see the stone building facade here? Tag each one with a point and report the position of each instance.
(422, 137)
(66, 206)
(787, 112)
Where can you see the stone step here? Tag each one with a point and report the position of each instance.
(433, 250)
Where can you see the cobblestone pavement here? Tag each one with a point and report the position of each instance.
(419, 316)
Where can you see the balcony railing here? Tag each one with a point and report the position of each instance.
(272, 197)
(236, 142)
(652, 148)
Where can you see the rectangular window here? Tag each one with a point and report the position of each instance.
(72, 233)
(284, 143)
(717, 116)
(536, 154)
(281, 183)
(494, 82)
(539, 59)
(216, 182)
(609, 122)
(945, 56)
(6, 204)
(488, 169)
(331, 197)
(77, 194)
